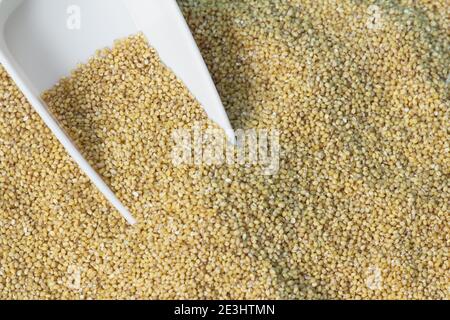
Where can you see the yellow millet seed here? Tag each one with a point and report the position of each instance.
(357, 210)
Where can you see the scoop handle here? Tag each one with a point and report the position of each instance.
(38, 104)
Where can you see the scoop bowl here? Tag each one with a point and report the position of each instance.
(41, 41)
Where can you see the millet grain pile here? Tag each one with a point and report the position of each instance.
(359, 208)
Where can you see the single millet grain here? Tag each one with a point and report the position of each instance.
(358, 209)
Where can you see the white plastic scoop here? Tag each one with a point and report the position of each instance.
(41, 41)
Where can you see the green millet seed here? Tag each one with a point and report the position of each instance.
(357, 210)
